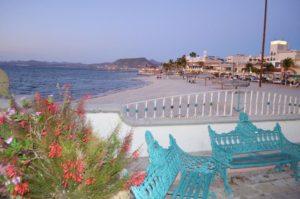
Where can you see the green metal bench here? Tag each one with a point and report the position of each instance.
(196, 173)
(248, 146)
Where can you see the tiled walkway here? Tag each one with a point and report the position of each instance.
(262, 184)
(256, 184)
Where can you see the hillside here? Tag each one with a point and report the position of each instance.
(128, 64)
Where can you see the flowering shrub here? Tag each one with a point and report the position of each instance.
(48, 150)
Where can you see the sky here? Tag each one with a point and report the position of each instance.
(95, 31)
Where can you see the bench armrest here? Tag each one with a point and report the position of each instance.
(291, 149)
(221, 156)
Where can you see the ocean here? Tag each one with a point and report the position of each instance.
(26, 80)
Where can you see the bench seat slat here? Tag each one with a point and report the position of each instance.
(261, 160)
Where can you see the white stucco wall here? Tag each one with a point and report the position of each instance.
(192, 138)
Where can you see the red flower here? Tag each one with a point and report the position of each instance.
(138, 178)
(73, 171)
(72, 125)
(90, 181)
(85, 139)
(21, 189)
(2, 119)
(11, 171)
(52, 108)
(55, 150)
(22, 123)
(72, 136)
(135, 155)
(57, 132)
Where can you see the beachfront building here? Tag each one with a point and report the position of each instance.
(278, 52)
(211, 64)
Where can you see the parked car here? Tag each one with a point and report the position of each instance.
(254, 79)
(277, 81)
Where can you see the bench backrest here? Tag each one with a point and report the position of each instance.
(162, 170)
(246, 137)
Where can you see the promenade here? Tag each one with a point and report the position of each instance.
(173, 85)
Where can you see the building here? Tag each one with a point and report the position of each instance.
(278, 51)
(207, 63)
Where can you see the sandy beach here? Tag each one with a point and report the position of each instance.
(169, 86)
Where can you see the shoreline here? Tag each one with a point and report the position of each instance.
(156, 88)
(172, 86)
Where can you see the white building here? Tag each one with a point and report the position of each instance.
(278, 52)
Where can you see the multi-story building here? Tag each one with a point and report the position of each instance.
(208, 63)
(278, 52)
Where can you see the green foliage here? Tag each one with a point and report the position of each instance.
(193, 54)
(249, 67)
(50, 148)
(287, 63)
(268, 67)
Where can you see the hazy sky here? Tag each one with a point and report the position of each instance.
(92, 31)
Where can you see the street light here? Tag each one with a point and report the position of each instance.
(263, 44)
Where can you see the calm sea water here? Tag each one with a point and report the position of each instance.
(50, 81)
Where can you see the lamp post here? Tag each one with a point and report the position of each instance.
(263, 44)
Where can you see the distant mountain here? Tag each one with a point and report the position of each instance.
(128, 64)
(155, 63)
(42, 63)
(131, 63)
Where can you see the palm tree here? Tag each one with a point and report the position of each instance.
(287, 63)
(193, 54)
(248, 68)
(183, 61)
(268, 67)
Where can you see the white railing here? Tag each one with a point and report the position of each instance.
(223, 103)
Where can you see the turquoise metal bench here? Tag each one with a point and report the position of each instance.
(248, 146)
(196, 173)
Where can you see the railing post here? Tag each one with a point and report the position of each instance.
(262, 103)
(136, 111)
(146, 109)
(127, 110)
(203, 104)
(284, 105)
(274, 100)
(256, 102)
(210, 103)
(225, 104)
(268, 103)
(279, 103)
(290, 105)
(295, 104)
(196, 105)
(218, 103)
(231, 104)
(179, 109)
(154, 109)
(250, 108)
(172, 101)
(245, 102)
(188, 107)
